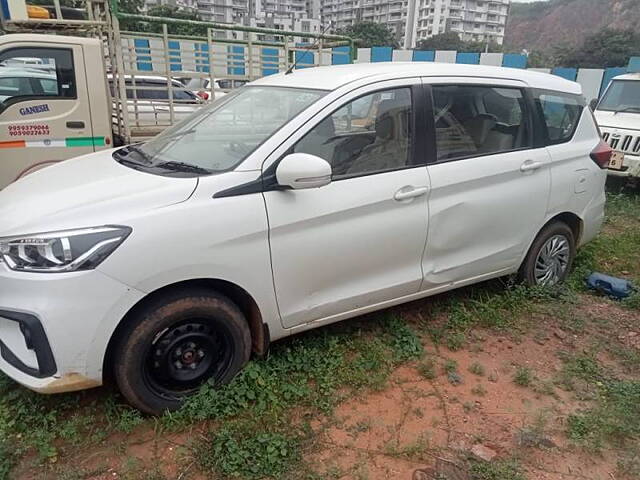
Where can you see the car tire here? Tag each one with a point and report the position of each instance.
(177, 343)
(550, 257)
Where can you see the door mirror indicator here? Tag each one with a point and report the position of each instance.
(302, 170)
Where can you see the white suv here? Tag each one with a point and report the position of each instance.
(296, 201)
(618, 115)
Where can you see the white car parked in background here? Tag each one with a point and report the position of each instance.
(202, 86)
(294, 202)
(618, 115)
(148, 100)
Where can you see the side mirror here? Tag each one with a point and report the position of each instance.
(302, 170)
(593, 104)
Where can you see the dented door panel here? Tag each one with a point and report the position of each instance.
(484, 212)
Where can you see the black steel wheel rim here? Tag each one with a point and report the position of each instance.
(184, 356)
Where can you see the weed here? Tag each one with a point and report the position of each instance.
(479, 390)
(450, 365)
(427, 369)
(360, 427)
(579, 372)
(616, 418)
(477, 369)
(454, 378)
(629, 464)
(455, 341)
(405, 344)
(535, 435)
(243, 452)
(498, 470)
(523, 376)
(632, 302)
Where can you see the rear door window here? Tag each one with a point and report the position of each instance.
(479, 120)
(561, 114)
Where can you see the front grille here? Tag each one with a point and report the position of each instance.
(623, 143)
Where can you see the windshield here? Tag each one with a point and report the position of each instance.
(622, 96)
(218, 137)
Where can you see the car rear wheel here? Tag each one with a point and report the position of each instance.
(550, 257)
(178, 343)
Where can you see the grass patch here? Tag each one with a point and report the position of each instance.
(497, 470)
(242, 452)
(495, 305)
(477, 369)
(427, 369)
(615, 419)
(523, 376)
(305, 372)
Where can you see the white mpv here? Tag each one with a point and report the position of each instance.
(293, 202)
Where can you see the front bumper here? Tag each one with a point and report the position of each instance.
(55, 328)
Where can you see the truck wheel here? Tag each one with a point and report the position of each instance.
(178, 343)
(550, 257)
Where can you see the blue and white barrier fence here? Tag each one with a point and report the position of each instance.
(190, 56)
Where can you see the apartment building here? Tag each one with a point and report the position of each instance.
(410, 20)
(472, 20)
(287, 15)
(340, 14)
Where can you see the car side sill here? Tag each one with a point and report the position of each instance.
(397, 301)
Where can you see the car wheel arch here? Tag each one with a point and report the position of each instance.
(260, 338)
(573, 221)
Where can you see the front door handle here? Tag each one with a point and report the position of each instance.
(407, 193)
(530, 166)
(76, 124)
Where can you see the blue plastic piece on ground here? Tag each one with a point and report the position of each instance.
(614, 287)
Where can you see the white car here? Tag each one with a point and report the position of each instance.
(148, 100)
(19, 81)
(202, 86)
(618, 115)
(297, 201)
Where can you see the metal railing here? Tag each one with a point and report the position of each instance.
(150, 51)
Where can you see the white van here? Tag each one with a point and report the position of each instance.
(618, 115)
(296, 201)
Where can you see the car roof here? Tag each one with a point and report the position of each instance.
(628, 76)
(25, 72)
(336, 76)
(147, 78)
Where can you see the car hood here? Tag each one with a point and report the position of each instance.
(622, 120)
(86, 191)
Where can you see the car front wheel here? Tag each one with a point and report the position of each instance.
(550, 257)
(176, 344)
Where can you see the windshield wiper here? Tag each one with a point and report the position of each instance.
(627, 109)
(122, 156)
(183, 167)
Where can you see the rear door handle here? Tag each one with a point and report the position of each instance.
(530, 166)
(407, 193)
(75, 125)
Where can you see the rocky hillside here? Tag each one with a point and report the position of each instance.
(539, 26)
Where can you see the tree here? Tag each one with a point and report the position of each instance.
(442, 41)
(130, 6)
(167, 11)
(452, 41)
(369, 34)
(605, 48)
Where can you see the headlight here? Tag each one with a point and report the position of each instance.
(64, 251)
